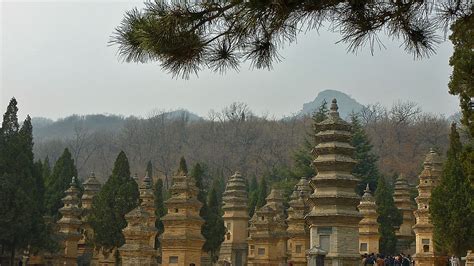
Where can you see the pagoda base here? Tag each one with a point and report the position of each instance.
(429, 260)
(235, 254)
(406, 245)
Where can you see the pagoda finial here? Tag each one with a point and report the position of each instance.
(92, 174)
(73, 181)
(367, 188)
(333, 110)
(135, 177)
(147, 180)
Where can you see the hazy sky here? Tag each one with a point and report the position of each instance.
(55, 60)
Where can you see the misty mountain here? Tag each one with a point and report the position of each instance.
(65, 128)
(345, 102)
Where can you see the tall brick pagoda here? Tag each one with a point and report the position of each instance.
(85, 248)
(368, 227)
(268, 237)
(425, 253)
(334, 218)
(234, 248)
(140, 231)
(69, 225)
(401, 197)
(298, 231)
(182, 241)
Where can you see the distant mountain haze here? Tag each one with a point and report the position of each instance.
(346, 103)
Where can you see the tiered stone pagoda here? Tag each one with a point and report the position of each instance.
(401, 197)
(268, 237)
(140, 231)
(425, 254)
(298, 231)
(368, 227)
(85, 249)
(182, 241)
(234, 248)
(304, 188)
(334, 218)
(69, 225)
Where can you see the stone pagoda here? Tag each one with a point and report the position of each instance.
(85, 249)
(140, 231)
(304, 188)
(334, 218)
(425, 254)
(268, 237)
(182, 241)
(69, 225)
(234, 248)
(368, 226)
(401, 197)
(298, 231)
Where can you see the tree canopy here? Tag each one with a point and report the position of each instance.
(188, 36)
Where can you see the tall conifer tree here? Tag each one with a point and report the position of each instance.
(213, 228)
(262, 193)
(366, 168)
(389, 217)
(452, 202)
(64, 169)
(160, 209)
(118, 196)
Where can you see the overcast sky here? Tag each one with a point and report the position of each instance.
(55, 60)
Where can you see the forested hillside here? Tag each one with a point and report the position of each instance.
(236, 139)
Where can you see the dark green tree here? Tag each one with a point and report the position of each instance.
(452, 201)
(160, 209)
(213, 229)
(64, 169)
(389, 216)
(149, 169)
(366, 168)
(118, 196)
(21, 222)
(253, 195)
(183, 167)
(188, 36)
(462, 82)
(303, 158)
(262, 193)
(197, 172)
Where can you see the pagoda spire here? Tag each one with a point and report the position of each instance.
(334, 218)
(368, 226)
(425, 253)
(69, 225)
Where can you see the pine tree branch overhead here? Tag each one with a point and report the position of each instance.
(188, 36)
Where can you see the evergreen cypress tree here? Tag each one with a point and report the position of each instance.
(303, 158)
(118, 196)
(213, 228)
(149, 169)
(160, 209)
(183, 167)
(366, 168)
(262, 193)
(64, 169)
(452, 202)
(21, 222)
(389, 217)
(197, 172)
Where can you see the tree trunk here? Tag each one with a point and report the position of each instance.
(12, 256)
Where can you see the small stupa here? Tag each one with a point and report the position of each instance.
(403, 202)
(368, 227)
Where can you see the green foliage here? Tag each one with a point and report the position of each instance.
(262, 193)
(389, 216)
(188, 36)
(304, 157)
(149, 169)
(160, 209)
(366, 168)
(213, 229)
(118, 196)
(59, 180)
(462, 81)
(452, 201)
(21, 190)
(183, 167)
